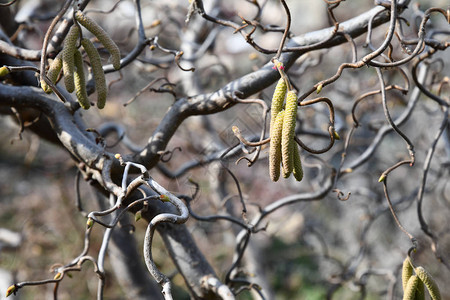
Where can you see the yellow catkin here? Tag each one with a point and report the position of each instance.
(68, 57)
(286, 174)
(420, 293)
(411, 288)
(46, 87)
(102, 36)
(55, 68)
(287, 135)
(298, 170)
(53, 72)
(407, 272)
(275, 147)
(429, 282)
(80, 82)
(97, 70)
(277, 100)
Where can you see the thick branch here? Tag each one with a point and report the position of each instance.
(80, 144)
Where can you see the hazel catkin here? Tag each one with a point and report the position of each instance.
(277, 100)
(429, 282)
(97, 70)
(297, 170)
(68, 62)
(287, 135)
(420, 292)
(275, 147)
(102, 36)
(46, 87)
(80, 82)
(411, 288)
(53, 72)
(55, 68)
(407, 272)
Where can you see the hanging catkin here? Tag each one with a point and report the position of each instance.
(102, 36)
(287, 135)
(68, 57)
(80, 81)
(97, 70)
(429, 282)
(277, 100)
(275, 147)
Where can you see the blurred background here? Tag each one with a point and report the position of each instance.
(308, 248)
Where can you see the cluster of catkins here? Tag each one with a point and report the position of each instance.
(414, 284)
(283, 148)
(71, 62)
